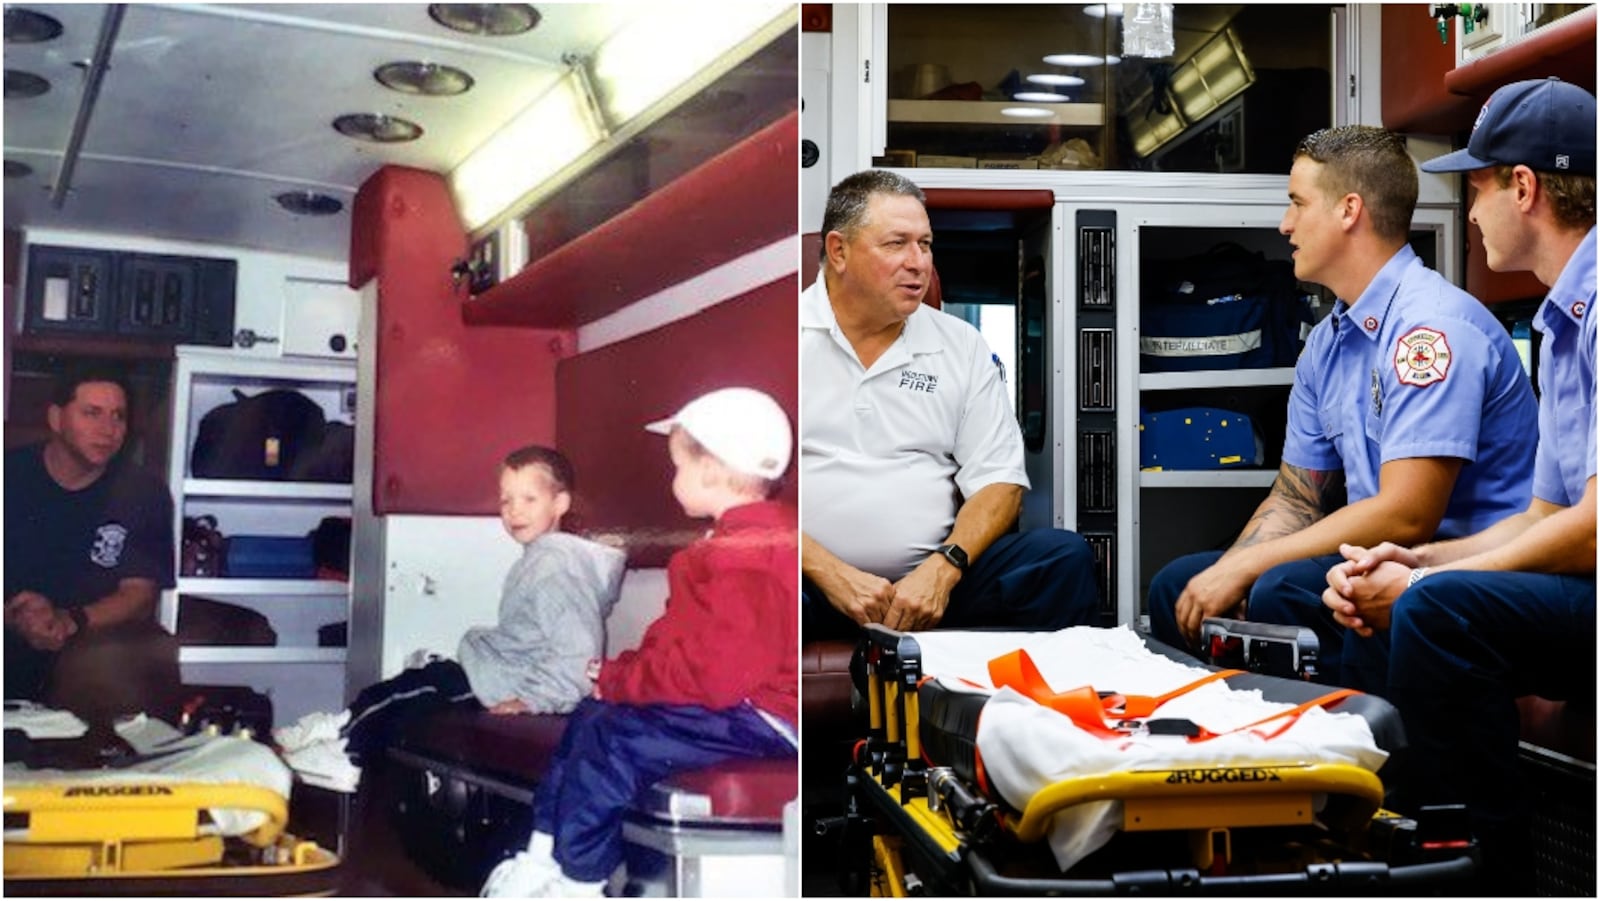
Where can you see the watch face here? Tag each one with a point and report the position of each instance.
(955, 554)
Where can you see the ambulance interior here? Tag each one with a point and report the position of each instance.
(457, 229)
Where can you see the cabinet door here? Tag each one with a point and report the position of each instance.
(156, 296)
(319, 319)
(69, 290)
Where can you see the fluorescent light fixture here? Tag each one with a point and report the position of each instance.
(1056, 80)
(1074, 59)
(549, 133)
(1215, 74)
(1027, 112)
(1099, 10)
(666, 44)
(1040, 97)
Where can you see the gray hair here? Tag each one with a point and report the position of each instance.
(847, 202)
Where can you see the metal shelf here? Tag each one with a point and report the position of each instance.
(1216, 378)
(267, 490)
(986, 112)
(269, 587)
(233, 654)
(1205, 478)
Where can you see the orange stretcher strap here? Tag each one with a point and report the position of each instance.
(1088, 710)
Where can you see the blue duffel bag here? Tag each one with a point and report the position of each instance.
(1198, 438)
(1229, 308)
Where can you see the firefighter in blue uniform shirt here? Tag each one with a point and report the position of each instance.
(1509, 611)
(1410, 393)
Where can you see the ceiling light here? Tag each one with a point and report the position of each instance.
(1074, 59)
(430, 79)
(309, 203)
(1112, 59)
(537, 143)
(1057, 80)
(661, 48)
(495, 19)
(1040, 97)
(377, 128)
(1099, 10)
(16, 169)
(24, 26)
(21, 85)
(1027, 112)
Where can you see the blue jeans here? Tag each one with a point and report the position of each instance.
(1465, 646)
(1038, 580)
(1289, 594)
(611, 752)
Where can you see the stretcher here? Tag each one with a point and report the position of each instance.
(979, 775)
(153, 810)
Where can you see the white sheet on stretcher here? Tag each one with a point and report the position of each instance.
(175, 757)
(1027, 747)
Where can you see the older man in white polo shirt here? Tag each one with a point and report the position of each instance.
(910, 457)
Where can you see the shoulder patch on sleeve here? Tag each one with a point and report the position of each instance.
(1422, 357)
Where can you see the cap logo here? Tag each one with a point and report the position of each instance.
(1563, 161)
(1483, 111)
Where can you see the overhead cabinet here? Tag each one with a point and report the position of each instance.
(182, 300)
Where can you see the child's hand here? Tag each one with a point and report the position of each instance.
(593, 671)
(507, 708)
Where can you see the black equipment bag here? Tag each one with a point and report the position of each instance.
(1228, 308)
(256, 437)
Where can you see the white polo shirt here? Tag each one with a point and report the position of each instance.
(883, 452)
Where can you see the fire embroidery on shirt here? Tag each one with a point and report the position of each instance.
(1422, 357)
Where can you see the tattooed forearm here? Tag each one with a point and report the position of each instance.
(1299, 498)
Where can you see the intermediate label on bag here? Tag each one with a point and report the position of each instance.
(1200, 346)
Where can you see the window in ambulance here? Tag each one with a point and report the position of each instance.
(1050, 87)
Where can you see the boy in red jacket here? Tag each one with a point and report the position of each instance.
(714, 678)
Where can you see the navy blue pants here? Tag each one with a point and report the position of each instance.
(1466, 645)
(1289, 594)
(1038, 580)
(611, 752)
(380, 708)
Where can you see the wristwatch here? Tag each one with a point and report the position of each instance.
(1416, 576)
(955, 553)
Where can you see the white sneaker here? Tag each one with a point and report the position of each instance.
(562, 887)
(526, 875)
(312, 728)
(325, 764)
(421, 657)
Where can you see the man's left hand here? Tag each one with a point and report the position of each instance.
(1362, 602)
(921, 596)
(43, 625)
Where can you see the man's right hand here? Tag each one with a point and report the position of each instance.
(862, 596)
(32, 616)
(1218, 590)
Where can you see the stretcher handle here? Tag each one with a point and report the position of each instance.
(47, 800)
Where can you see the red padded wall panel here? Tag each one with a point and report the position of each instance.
(605, 398)
(451, 401)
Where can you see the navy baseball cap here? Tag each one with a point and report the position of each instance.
(1546, 124)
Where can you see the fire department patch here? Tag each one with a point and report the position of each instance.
(1422, 357)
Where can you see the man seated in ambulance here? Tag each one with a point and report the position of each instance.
(88, 545)
(910, 456)
(1409, 399)
(1510, 610)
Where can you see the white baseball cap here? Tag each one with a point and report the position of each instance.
(743, 427)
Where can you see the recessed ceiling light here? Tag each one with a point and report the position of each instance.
(1040, 97)
(24, 26)
(1027, 112)
(495, 19)
(1056, 80)
(309, 203)
(378, 128)
(1099, 10)
(20, 84)
(431, 79)
(16, 169)
(1074, 59)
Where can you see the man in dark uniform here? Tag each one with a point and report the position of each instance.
(88, 537)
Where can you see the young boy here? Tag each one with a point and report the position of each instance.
(714, 678)
(552, 626)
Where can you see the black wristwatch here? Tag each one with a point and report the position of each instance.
(955, 554)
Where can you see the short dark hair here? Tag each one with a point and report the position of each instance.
(64, 390)
(1372, 162)
(553, 460)
(1571, 195)
(847, 202)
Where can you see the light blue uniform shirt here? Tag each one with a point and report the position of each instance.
(1416, 367)
(1566, 458)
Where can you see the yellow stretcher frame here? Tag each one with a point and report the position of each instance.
(1206, 802)
(136, 829)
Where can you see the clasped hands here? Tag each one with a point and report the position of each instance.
(917, 601)
(43, 625)
(1363, 588)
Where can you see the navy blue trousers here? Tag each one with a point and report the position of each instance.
(1038, 580)
(611, 752)
(1466, 645)
(380, 708)
(1289, 594)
